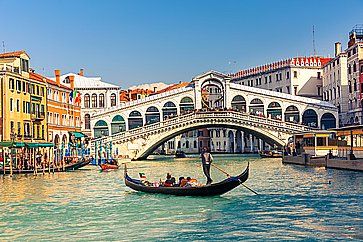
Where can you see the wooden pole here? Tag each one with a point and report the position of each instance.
(49, 157)
(11, 161)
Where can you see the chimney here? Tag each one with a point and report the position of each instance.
(71, 81)
(57, 76)
(81, 72)
(338, 48)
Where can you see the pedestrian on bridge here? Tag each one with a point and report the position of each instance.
(207, 159)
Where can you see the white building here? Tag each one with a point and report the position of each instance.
(335, 84)
(301, 76)
(355, 75)
(96, 96)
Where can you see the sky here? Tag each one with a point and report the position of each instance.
(130, 42)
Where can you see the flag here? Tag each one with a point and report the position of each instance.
(71, 97)
(142, 175)
(78, 98)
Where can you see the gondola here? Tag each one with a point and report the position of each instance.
(180, 154)
(69, 167)
(106, 167)
(207, 190)
(271, 154)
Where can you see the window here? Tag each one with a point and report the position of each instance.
(12, 126)
(295, 91)
(37, 88)
(87, 121)
(265, 79)
(17, 105)
(287, 75)
(24, 65)
(18, 85)
(339, 90)
(280, 76)
(42, 91)
(86, 100)
(277, 77)
(11, 83)
(113, 99)
(11, 104)
(354, 67)
(19, 128)
(319, 90)
(102, 100)
(295, 74)
(94, 100)
(287, 89)
(24, 86)
(319, 75)
(349, 69)
(350, 86)
(269, 79)
(355, 85)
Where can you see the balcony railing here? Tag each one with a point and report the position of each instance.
(38, 116)
(7, 67)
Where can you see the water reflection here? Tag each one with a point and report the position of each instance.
(294, 203)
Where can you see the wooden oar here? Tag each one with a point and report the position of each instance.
(230, 176)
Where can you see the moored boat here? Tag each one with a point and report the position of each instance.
(180, 154)
(271, 154)
(207, 190)
(105, 167)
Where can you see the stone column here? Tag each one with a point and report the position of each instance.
(251, 143)
(243, 141)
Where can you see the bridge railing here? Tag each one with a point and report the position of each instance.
(203, 115)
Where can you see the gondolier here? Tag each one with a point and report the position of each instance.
(207, 159)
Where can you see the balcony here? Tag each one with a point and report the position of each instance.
(38, 116)
(10, 68)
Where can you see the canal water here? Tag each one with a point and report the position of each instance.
(294, 203)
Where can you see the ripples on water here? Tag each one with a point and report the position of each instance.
(295, 203)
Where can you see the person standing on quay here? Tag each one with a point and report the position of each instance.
(207, 159)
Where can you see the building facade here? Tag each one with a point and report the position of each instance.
(23, 102)
(299, 76)
(355, 71)
(63, 111)
(335, 84)
(95, 96)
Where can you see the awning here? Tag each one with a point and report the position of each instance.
(39, 145)
(12, 144)
(78, 135)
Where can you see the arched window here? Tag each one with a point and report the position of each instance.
(100, 129)
(327, 121)
(118, 124)
(113, 99)
(102, 100)
(310, 118)
(152, 115)
(169, 110)
(257, 107)
(87, 121)
(94, 100)
(274, 111)
(86, 100)
(239, 103)
(292, 114)
(135, 120)
(186, 105)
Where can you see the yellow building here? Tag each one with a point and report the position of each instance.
(23, 101)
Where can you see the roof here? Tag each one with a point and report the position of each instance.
(38, 77)
(13, 54)
(174, 86)
(86, 82)
(300, 61)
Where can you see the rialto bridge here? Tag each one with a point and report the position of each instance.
(137, 128)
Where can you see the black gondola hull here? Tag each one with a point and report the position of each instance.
(208, 190)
